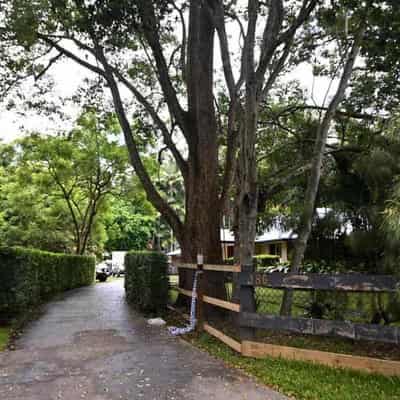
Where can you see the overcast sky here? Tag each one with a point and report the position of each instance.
(68, 75)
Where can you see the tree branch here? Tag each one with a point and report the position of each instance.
(184, 41)
(150, 31)
(342, 113)
(52, 61)
(219, 23)
(270, 39)
(276, 71)
(162, 206)
(230, 160)
(70, 55)
(247, 67)
(148, 107)
(181, 162)
(305, 11)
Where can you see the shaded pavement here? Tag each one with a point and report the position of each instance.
(90, 345)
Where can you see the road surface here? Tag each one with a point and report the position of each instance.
(89, 344)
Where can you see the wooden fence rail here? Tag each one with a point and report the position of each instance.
(365, 364)
(250, 320)
(213, 301)
(313, 281)
(322, 327)
(211, 267)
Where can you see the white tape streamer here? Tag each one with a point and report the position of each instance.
(192, 322)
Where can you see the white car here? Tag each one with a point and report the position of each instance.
(118, 270)
(103, 271)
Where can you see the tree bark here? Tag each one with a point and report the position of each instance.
(201, 227)
(306, 217)
(247, 202)
(202, 217)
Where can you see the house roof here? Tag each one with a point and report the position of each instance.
(274, 234)
(271, 235)
(176, 252)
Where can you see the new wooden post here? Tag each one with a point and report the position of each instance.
(200, 293)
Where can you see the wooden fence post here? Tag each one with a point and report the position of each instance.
(200, 293)
(247, 301)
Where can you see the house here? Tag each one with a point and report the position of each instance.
(272, 241)
(279, 242)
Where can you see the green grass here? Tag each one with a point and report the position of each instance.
(174, 279)
(4, 337)
(305, 381)
(173, 295)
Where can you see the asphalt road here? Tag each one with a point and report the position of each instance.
(90, 345)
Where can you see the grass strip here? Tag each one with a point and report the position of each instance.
(303, 380)
(5, 333)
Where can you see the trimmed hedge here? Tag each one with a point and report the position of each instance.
(265, 260)
(260, 260)
(29, 277)
(146, 280)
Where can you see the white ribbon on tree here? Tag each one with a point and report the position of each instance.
(192, 322)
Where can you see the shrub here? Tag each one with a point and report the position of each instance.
(265, 260)
(323, 267)
(146, 280)
(29, 277)
(260, 260)
(229, 261)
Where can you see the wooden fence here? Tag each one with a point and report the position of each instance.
(323, 282)
(250, 320)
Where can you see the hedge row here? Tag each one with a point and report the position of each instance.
(29, 277)
(260, 260)
(146, 280)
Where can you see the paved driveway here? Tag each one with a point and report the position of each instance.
(91, 345)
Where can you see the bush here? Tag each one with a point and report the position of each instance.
(265, 260)
(146, 280)
(29, 277)
(260, 260)
(323, 267)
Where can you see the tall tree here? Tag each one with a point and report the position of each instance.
(127, 227)
(70, 177)
(306, 218)
(28, 209)
(124, 44)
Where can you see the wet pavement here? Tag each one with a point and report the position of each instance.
(90, 345)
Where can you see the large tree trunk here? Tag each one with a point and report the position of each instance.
(201, 235)
(202, 220)
(201, 228)
(306, 218)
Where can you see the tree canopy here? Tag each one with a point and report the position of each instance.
(204, 82)
(72, 187)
